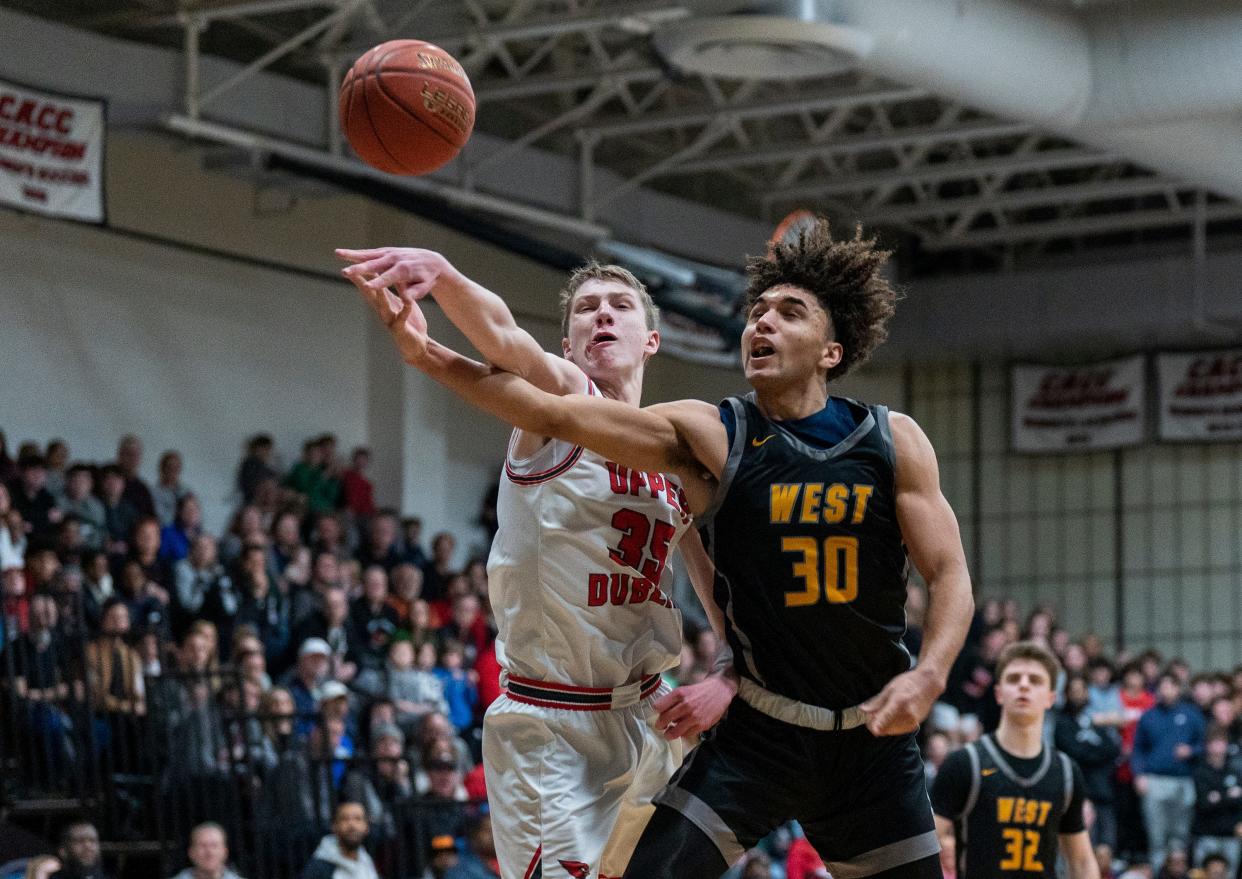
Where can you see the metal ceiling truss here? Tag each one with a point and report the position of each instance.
(580, 77)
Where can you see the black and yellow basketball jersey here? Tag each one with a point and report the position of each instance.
(1010, 823)
(810, 565)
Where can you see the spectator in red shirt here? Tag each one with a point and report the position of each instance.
(488, 669)
(359, 492)
(1135, 700)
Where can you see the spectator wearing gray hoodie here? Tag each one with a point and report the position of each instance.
(416, 692)
(340, 854)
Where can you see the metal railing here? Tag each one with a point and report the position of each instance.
(190, 751)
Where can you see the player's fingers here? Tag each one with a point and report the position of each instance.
(378, 304)
(673, 713)
(394, 275)
(375, 264)
(875, 703)
(681, 730)
(351, 255)
(667, 701)
(402, 316)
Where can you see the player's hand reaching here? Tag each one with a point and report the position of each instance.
(903, 703)
(411, 272)
(402, 316)
(695, 708)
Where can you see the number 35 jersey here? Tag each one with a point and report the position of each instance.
(577, 568)
(810, 565)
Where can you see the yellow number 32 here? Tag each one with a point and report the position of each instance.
(840, 581)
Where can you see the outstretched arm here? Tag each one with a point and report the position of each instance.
(935, 545)
(663, 438)
(476, 311)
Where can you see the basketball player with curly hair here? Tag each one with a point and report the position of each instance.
(810, 506)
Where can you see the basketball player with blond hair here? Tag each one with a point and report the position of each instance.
(583, 737)
(812, 507)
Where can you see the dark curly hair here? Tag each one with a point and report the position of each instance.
(844, 276)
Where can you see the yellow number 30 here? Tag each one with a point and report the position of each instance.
(840, 570)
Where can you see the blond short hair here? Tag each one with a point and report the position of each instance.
(594, 271)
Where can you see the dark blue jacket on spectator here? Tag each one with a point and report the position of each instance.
(306, 706)
(1160, 730)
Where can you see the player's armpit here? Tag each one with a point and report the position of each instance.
(931, 534)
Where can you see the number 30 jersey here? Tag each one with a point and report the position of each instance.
(810, 565)
(576, 568)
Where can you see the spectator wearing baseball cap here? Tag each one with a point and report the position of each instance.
(304, 682)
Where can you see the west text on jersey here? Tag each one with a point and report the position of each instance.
(807, 503)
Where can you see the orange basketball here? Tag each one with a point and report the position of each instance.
(407, 107)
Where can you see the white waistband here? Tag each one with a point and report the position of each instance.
(798, 713)
(557, 695)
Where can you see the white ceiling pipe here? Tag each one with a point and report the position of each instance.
(1153, 62)
(1019, 60)
(1045, 65)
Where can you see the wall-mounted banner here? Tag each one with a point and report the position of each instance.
(1201, 395)
(51, 153)
(1059, 409)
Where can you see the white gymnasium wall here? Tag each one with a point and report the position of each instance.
(104, 335)
(1048, 525)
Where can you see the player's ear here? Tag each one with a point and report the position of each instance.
(832, 355)
(565, 348)
(652, 345)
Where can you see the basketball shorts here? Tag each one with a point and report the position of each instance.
(861, 800)
(570, 786)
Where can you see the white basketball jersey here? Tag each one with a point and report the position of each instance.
(575, 569)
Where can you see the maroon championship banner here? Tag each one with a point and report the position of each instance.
(1200, 396)
(1063, 409)
(51, 153)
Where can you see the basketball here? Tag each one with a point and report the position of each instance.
(407, 107)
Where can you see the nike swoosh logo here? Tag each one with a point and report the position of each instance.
(756, 442)
(986, 772)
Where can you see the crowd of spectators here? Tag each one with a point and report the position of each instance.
(315, 647)
(317, 651)
(1159, 743)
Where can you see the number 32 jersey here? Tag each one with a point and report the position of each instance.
(810, 565)
(576, 568)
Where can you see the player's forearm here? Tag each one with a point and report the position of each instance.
(1079, 857)
(950, 607)
(488, 323)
